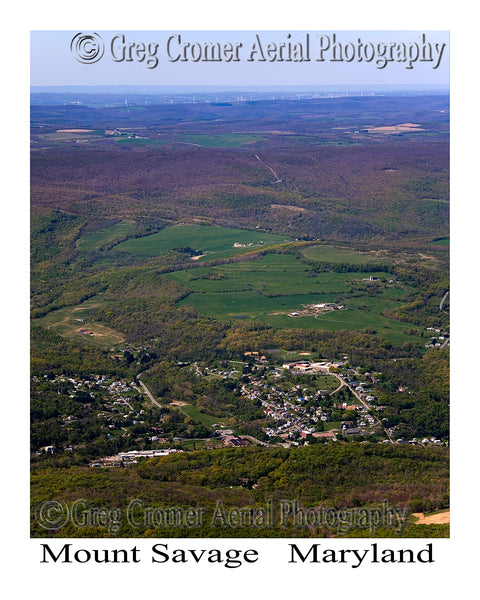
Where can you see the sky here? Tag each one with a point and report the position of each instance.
(249, 57)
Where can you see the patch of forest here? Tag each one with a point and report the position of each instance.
(338, 476)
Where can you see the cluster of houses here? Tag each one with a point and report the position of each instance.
(112, 399)
(439, 338)
(424, 442)
(296, 415)
(95, 382)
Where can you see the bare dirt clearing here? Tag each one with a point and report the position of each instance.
(288, 207)
(438, 519)
(401, 128)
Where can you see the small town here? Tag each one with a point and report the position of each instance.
(303, 402)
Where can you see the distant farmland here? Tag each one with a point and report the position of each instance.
(225, 140)
(213, 241)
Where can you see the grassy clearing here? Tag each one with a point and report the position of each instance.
(329, 425)
(69, 136)
(349, 320)
(135, 141)
(222, 140)
(94, 240)
(441, 242)
(75, 322)
(200, 417)
(335, 254)
(213, 241)
(275, 275)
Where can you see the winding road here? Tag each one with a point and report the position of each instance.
(443, 300)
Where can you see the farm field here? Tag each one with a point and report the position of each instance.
(270, 288)
(441, 242)
(227, 140)
(213, 241)
(353, 318)
(138, 141)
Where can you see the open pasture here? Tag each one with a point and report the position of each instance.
(212, 241)
(222, 140)
(94, 240)
(276, 285)
(273, 276)
(359, 314)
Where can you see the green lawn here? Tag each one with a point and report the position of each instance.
(441, 242)
(133, 141)
(329, 425)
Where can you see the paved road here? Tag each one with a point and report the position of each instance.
(365, 404)
(443, 300)
(148, 392)
(342, 384)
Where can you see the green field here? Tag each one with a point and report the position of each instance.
(213, 241)
(201, 417)
(352, 319)
(222, 140)
(441, 242)
(270, 288)
(138, 141)
(94, 240)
